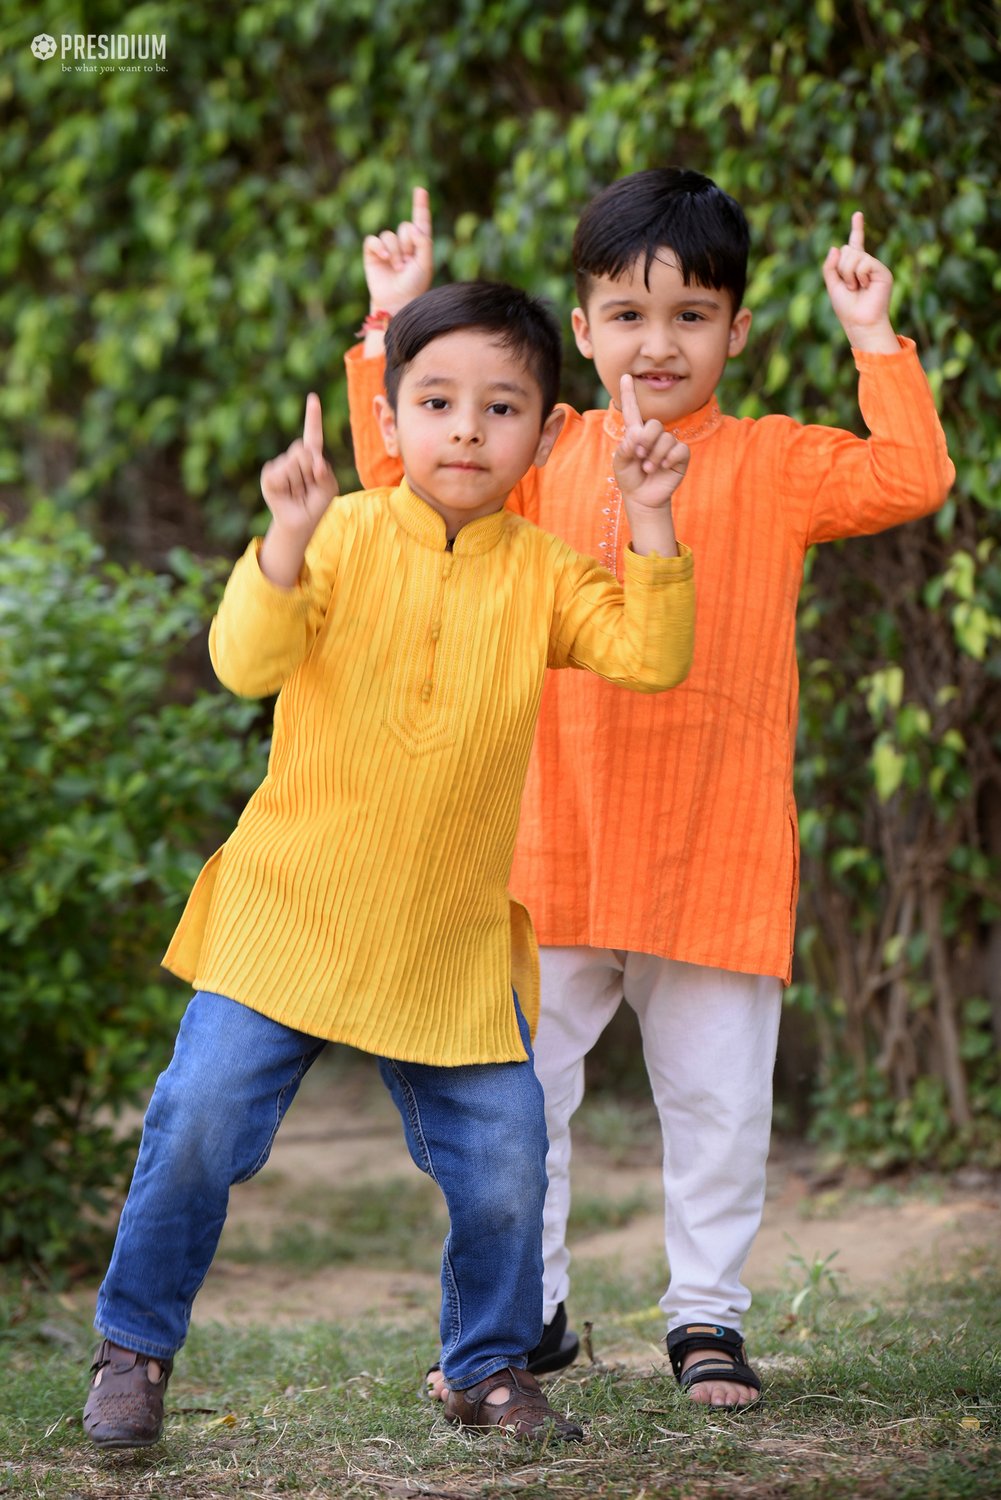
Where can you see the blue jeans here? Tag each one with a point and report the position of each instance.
(479, 1131)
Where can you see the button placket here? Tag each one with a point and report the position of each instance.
(434, 631)
(422, 714)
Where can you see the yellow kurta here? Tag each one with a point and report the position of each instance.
(363, 895)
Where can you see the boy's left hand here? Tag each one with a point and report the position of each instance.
(650, 462)
(859, 287)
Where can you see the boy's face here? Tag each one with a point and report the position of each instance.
(468, 425)
(673, 339)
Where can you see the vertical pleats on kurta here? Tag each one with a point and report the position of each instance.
(363, 896)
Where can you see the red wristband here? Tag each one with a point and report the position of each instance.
(376, 322)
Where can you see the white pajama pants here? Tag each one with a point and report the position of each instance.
(709, 1040)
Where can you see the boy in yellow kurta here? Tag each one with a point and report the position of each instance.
(363, 895)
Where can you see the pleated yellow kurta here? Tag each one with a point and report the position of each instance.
(363, 896)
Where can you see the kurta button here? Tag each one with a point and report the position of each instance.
(435, 630)
(426, 690)
(446, 567)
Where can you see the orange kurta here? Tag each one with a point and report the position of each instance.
(668, 825)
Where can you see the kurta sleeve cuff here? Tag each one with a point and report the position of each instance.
(261, 593)
(864, 359)
(654, 569)
(664, 590)
(261, 631)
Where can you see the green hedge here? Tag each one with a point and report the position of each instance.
(108, 791)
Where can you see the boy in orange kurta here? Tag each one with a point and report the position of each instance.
(658, 848)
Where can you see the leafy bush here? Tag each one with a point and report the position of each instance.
(109, 797)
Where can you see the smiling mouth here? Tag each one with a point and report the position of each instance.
(662, 378)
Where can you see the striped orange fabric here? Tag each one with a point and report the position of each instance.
(668, 825)
(363, 896)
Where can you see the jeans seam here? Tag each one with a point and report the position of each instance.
(279, 1116)
(414, 1116)
(452, 1293)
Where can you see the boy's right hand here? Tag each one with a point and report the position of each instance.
(299, 484)
(649, 464)
(400, 266)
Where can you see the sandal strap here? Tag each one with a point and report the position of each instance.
(122, 1360)
(525, 1392)
(525, 1412)
(688, 1337)
(719, 1369)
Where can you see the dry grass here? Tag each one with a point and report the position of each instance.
(903, 1400)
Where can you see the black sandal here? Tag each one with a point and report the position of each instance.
(687, 1337)
(557, 1348)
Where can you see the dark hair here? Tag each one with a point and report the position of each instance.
(665, 207)
(517, 321)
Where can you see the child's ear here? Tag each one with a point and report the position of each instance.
(551, 429)
(387, 426)
(582, 332)
(739, 329)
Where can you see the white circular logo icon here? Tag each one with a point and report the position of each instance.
(44, 46)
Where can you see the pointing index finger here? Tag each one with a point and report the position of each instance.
(312, 429)
(420, 211)
(857, 237)
(628, 402)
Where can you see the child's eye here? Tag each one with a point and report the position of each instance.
(500, 408)
(435, 403)
(627, 317)
(689, 316)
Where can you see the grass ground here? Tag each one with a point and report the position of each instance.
(900, 1399)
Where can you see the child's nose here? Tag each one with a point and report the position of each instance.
(466, 428)
(659, 340)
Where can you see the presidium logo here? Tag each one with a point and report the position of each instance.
(93, 52)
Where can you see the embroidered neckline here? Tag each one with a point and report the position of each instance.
(697, 424)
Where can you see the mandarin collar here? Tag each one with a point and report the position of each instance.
(691, 428)
(426, 526)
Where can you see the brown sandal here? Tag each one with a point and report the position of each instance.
(525, 1414)
(125, 1405)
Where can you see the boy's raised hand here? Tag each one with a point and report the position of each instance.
(859, 287)
(299, 484)
(400, 266)
(649, 464)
